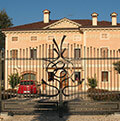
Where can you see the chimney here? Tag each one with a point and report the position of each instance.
(114, 18)
(46, 16)
(94, 19)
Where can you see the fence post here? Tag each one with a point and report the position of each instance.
(0, 80)
(60, 103)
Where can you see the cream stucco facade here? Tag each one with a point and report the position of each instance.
(88, 38)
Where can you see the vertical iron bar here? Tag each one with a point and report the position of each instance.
(0, 80)
(40, 70)
(111, 71)
(23, 65)
(8, 67)
(113, 68)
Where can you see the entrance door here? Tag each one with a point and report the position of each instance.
(64, 77)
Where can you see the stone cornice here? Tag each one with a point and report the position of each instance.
(100, 28)
(59, 30)
(43, 31)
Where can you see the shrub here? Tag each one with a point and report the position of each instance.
(103, 95)
(92, 82)
(117, 66)
(14, 79)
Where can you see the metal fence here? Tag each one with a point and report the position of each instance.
(68, 72)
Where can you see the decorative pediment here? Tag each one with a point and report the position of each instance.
(63, 23)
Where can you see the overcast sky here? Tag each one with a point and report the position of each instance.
(29, 11)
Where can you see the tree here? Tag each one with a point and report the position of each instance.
(14, 80)
(117, 66)
(5, 22)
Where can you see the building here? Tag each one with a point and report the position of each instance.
(94, 39)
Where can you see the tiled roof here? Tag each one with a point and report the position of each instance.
(41, 25)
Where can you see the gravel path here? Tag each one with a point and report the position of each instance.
(65, 118)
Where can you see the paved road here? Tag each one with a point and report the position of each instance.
(65, 118)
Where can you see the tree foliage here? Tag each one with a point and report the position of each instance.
(14, 79)
(117, 66)
(5, 22)
(92, 82)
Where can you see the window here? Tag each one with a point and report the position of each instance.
(33, 38)
(14, 53)
(50, 53)
(50, 76)
(26, 83)
(33, 53)
(50, 38)
(76, 37)
(29, 76)
(77, 76)
(104, 52)
(77, 53)
(14, 38)
(104, 36)
(104, 75)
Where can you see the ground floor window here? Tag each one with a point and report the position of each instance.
(104, 75)
(50, 76)
(77, 76)
(29, 76)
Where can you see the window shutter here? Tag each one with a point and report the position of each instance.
(14, 53)
(102, 76)
(51, 53)
(106, 76)
(77, 53)
(104, 52)
(33, 53)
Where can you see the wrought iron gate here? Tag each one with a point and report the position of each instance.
(65, 73)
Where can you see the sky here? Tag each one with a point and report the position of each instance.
(30, 11)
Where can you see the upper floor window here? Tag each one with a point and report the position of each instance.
(14, 53)
(14, 38)
(50, 38)
(33, 38)
(77, 38)
(104, 36)
(104, 52)
(50, 53)
(77, 53)
(33, 53)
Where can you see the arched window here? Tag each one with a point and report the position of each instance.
(29, 76)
